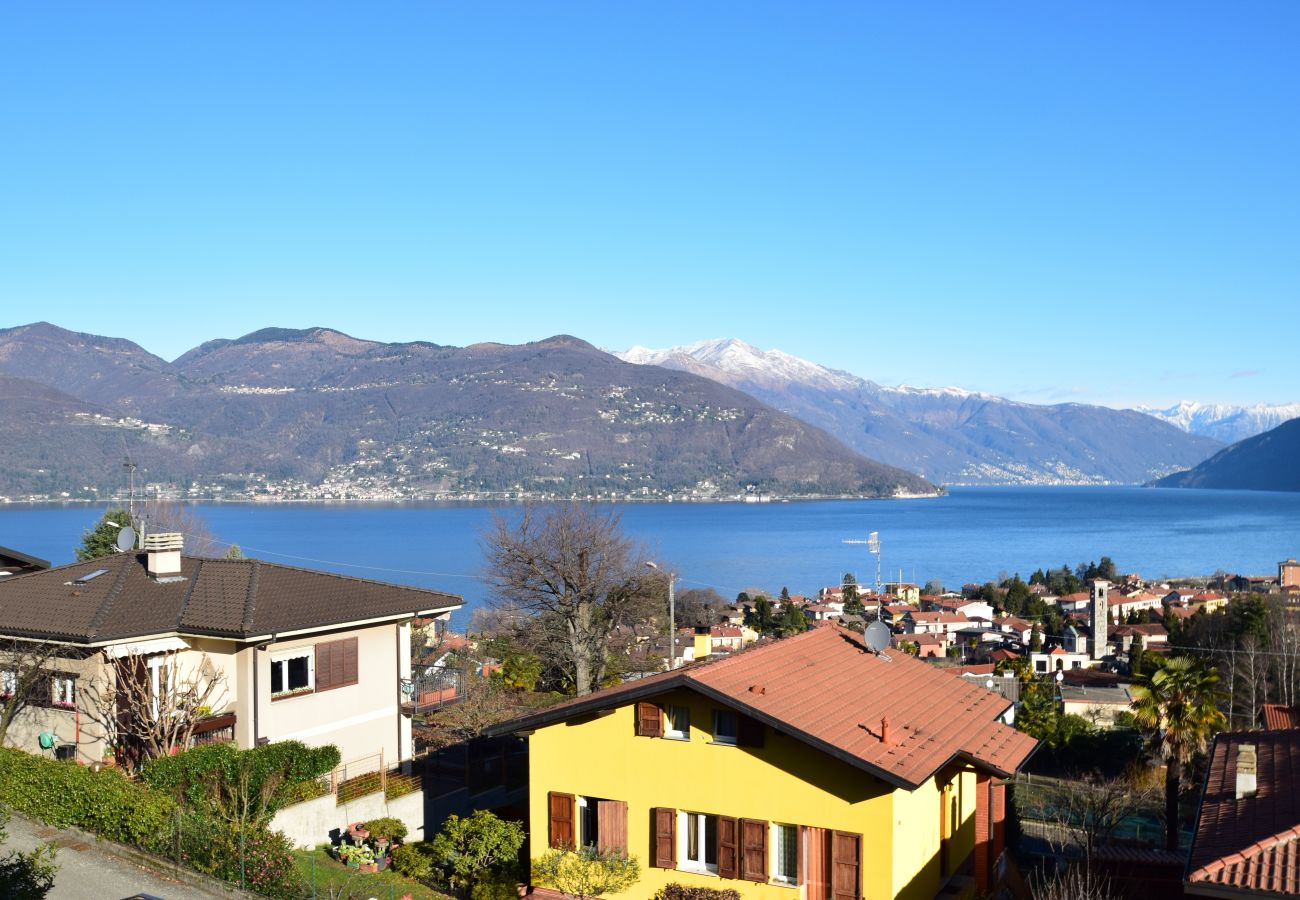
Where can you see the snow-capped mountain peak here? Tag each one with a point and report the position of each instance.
(742, 362)
(1225, 422)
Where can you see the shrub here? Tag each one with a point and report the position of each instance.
(213, 847)
(291, 766)
(587, 872)
(413, 861)
(63, 794)
(386, 827)
(676, 891)
(469, 849)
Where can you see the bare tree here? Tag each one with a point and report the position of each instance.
(154, 702)
(172, 515)
(573, 565)
(1078, 882)
(1086, 811)
(25, 671)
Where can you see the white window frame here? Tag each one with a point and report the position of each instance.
(158, 681)
(683, 734)
(283, 657)
(65, 691)
(731, 739)
(685, 863)
(775, 853)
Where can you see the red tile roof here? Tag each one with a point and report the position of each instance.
(826, 688)
(1252, 844)
(1276, 717)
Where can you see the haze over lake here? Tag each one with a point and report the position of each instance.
(972, 535)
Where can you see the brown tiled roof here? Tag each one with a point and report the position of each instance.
(236, 598)
(1252, 844)
(826, 688)
(1276, 717)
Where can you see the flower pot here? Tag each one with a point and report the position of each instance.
(368, 868)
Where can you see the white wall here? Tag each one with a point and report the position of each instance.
(309, 824)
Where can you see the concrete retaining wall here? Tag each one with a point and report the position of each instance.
(308, 824)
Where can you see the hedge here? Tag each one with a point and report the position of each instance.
(64, 794)
(676, 891)
(187, 774)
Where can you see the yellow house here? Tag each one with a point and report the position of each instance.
(804, 769)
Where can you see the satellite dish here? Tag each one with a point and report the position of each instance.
(125, 539)
(877, 636)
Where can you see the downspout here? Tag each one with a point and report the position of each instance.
(257, 697)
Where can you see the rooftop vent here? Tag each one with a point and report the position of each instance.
(1246, 768)
(163, 553)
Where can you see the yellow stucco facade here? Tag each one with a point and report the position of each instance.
(784, 781)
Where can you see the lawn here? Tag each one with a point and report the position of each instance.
(336, 881)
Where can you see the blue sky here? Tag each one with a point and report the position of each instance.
(1095, 202)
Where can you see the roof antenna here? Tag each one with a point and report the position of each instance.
(877, 639)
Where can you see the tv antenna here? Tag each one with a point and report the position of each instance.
(873, 546)
(130, 497)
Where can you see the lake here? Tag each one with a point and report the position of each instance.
(971, 535)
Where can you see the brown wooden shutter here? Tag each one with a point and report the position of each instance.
(817, 863)
(753, 855)
(349, 662)
(728, 847)
(846, 866)
(649, 720)
(611, 826)
(749, 732)
(560, 829)
(665, 832)
(324, 656)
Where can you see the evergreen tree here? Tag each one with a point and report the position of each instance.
(1035, 640)
(763, 619)
(101, 540)
(1135, 657)
(785, 596)
(792, 621)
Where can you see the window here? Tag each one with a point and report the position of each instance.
(65, 687)
(588, 821)
(785, 853)
(160, 681)
(8, 682)
(679, 723)
(724, 726)
(699, 839)
(293, 672)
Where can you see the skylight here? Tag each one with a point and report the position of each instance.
(91, 576)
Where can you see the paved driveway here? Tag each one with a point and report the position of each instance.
(86, 872)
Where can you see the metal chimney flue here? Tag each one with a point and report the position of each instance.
(162, 551)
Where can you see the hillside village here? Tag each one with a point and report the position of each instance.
(907, 741)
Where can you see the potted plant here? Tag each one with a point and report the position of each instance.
(110, 756)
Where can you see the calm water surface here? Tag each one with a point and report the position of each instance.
(972, 535)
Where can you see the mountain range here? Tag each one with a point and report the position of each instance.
(1264, 462)
(1224, 422)
(315, 413)
(949, 435)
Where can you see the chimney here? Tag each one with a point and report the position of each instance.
(1245, 771)
(703, 641)
(162, 552)
(886, 731)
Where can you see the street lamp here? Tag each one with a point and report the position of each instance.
(672, 617)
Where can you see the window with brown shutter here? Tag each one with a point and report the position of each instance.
(749, 732)
(665, 832)
(336, 664)
(846, 866)
(649, 720)
(560, 815)
(728, 847)
(753, 853)
(611, 826)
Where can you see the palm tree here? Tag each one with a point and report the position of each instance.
(1177, 702)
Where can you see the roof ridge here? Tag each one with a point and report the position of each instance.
(110, 598)
(250, 599)
(375, 581)
(189, 591)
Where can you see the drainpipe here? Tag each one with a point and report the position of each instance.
(257, 699)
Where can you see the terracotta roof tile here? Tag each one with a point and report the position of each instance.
(1277, 717)
(1250, 843)
(827, 688)
(222, 597)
